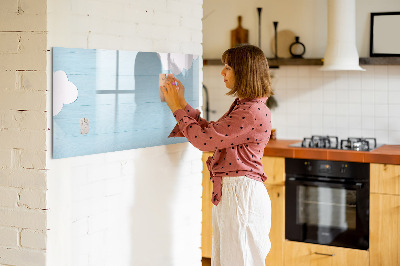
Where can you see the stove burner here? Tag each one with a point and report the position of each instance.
(332, 142)
(358, 144)
(328, 142)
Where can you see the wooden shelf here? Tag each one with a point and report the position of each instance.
(380, 61)
(273, 63)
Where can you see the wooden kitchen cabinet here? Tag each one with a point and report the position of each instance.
(305, 254)
(274, 168)
(277, 233)
(385, 178)
(384, 237)
(206, 225)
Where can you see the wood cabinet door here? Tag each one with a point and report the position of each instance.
(385, 178)
(384, 236)
(277, 233)
(304, 254)
(206, 225)
(274, 168)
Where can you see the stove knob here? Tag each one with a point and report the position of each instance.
(308, 166)
(343, 168)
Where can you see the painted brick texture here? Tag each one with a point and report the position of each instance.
(99, 196)
(23, 129)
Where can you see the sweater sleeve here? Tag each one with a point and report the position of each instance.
(231, 130)
(193, 113)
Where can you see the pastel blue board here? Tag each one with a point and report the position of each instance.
(109, 100)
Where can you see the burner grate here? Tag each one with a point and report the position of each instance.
(332, 142)
(327, 142)
(358, 144)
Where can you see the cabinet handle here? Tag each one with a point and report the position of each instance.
(324, 254)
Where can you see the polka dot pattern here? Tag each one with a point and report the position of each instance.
(238, 139)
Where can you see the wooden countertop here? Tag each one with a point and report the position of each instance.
(389, 154)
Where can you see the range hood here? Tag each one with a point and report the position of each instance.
(341, 51)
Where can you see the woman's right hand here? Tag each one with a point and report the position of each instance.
(181, 91)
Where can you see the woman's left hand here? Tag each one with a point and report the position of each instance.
(171, 95)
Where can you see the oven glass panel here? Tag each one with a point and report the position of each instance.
(326, 207)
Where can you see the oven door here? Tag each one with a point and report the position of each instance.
(327, 213)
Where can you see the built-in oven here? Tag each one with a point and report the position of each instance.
(327, 202)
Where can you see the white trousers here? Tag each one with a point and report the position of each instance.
(241, 223)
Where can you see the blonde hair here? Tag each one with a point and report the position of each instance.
(250, 66)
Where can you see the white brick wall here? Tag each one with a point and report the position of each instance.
(136, 207)
(9, 237)
(33, 239)
(23, 132)
(100, 206)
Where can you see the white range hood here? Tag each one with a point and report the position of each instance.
(341, 51)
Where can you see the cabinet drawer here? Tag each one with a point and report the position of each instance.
(304, 254)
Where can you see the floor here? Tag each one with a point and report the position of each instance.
(206, 261)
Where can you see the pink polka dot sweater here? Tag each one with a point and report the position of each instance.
(238, 139)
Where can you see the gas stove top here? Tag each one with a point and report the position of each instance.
(332, 142)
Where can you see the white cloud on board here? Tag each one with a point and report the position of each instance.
(176, 63)
(64, 91)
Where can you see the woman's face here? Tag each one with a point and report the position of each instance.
(229, 76)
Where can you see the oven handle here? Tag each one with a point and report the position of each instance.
(357, 185)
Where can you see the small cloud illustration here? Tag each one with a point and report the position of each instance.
(64, 91)
(176, 63)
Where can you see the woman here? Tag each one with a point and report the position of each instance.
(242, 208)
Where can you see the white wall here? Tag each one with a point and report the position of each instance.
(23, 133)
(311, 102)
(136, 207)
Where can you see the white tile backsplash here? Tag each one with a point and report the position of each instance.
(394, 82)
(292, 83)
(342, 96)
(346, 103)
(382, 136)
(329, 109)
(368, 123)
(381, 96)
(394, 110)
(342, 109)
(394, 124)
(381, 110)
(394, 97)
(394, 137)
(367, 96)
(381, 83)
(367, 110)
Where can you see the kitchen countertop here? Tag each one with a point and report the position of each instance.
(389, 154)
